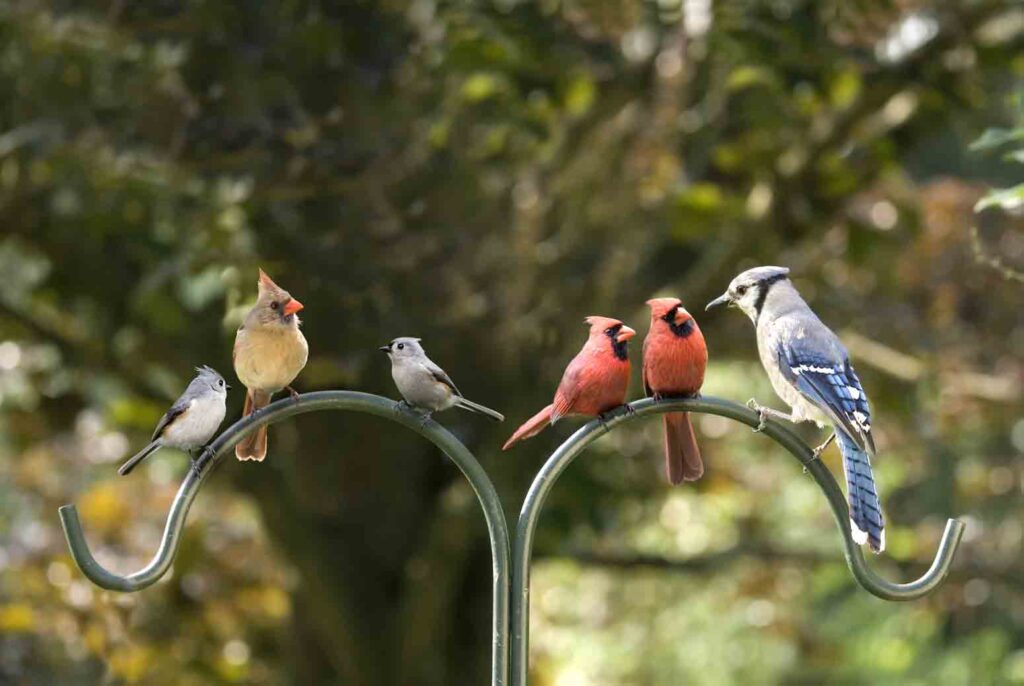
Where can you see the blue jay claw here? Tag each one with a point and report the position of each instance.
(761, 414)
(816, 453)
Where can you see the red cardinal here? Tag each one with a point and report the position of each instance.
(675, 358)
(594, 382)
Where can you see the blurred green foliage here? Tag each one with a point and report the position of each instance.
(484, 175)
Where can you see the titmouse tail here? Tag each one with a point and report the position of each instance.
(866, 521)
(479, 409)
(534, 426)
(138, 457)
(682, 456)
(253, 446)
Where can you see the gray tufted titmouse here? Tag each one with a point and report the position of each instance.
(423, 384)
(192, 420)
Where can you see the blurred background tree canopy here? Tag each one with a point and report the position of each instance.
(483, 175)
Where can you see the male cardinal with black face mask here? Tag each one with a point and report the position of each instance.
(675, 358)
(594, 382)
(269, 353)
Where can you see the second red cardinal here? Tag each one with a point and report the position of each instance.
(675, 358)
(594, 382)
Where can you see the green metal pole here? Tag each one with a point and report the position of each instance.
(579, 441)
(282, 409)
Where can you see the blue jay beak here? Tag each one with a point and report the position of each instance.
(723, 299)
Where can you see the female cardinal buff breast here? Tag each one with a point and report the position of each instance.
(594, 382)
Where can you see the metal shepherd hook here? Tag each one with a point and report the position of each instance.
(282, 409)
(579, 441)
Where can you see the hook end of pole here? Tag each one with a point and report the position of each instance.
(952, 536)
(83, 557)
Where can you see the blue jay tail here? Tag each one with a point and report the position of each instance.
(865, 510)
(138, 457)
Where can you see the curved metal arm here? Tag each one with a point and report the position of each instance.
(282, 409)
(578, 442)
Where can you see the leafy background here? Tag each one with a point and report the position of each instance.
(484, 175)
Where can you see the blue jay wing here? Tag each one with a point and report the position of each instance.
(832, 387)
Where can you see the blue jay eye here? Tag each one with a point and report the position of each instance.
(740, 290)
(401, 346)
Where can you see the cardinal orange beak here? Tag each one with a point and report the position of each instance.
(292, 306)
(625, 333)
(681, 315)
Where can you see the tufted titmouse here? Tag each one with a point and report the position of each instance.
(192, 419)
(423, 384)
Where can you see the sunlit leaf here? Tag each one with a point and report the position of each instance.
(1009, 199)
(994, 138)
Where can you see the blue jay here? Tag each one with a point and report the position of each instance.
(811, 371)
(191, 421)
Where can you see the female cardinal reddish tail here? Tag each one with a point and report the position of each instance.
(253, 446)
(532, 427)
(682, 456)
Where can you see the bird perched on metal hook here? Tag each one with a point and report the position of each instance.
(191, 421)
(675, 358)
(269, 353)
(810, 370)
(595, 381)
(425, 386)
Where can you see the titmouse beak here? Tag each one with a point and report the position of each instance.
(385, 348)
(625, 333)
(292, 306)
(723, 299)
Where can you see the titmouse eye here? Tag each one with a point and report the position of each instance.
(275, 305)
(401, 346)
(221, 383)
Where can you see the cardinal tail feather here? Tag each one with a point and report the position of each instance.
(532, 427)
(682, 455)
(253, 446)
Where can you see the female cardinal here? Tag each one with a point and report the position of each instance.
(269, 353)
(594, 382)
(675, 358)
